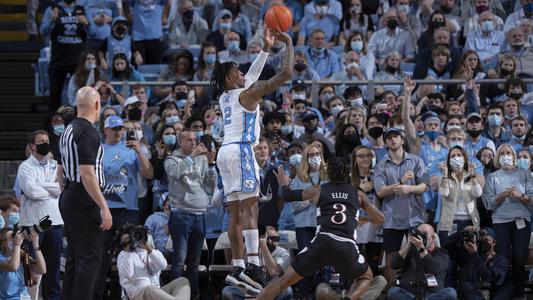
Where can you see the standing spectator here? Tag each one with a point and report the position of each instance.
(486, 39)
(37, 177)
(475, 141)
(119, 41)
(319, 19)
(399, 179)
(191, 176)
(324, 61)
(165, 143)
(508, 194)
(66, 25)
(100, 16)
(87, 73)
(495, 130)
(147, 29)
(270, 203)
(519, 128)
(436, 20)
(188, 28)
(180, 67)
(122, 162)
(391, 38)
(240, 22)
(10, 208)
(57, 127)
(391, 71)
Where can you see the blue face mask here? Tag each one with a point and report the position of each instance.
(198, 135)
(522, 163)
(286, 129)
(13, 218)
(487, 26)
(319, 50)
(181, 103)
(225, 26)
(171, 120)
(58, 129)
(432, 135)
(357, 46)
(2, 222)
(169, 140)
(494, 120)
(233, 46)
(253, 56)
(210, 58)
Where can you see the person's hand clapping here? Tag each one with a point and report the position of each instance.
(200, 149)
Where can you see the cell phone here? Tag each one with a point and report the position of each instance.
(130, 136)
(207, 140)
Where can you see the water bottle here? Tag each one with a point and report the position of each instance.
(25, 295)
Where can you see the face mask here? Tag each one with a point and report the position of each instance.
(300, 67)
(355, 9)
(392, 23)
(13, 218)
(523, 163)
(295, 159)
(233, 46)
(474, 133)
(403, 8)
(69, 2)
(515, 96)
(89, 67)
(519, 138)
(481, 8)
(299, 96)
(325, 97)
(253, 56)
(356, 102)
(506, 161)
(181, 103)
(375, 132)
(43, 149)
(517, 46)
(198, 135)
(432, 135)
(494, 120)
(188, 14)
(437, 24)
(336, 110)
(319, 50)
(314, 162)
(350, 139)
(139, 134)
(171, 120)
(505, 72)
(169, 140)
(210, 58)
(121, 30)
(286, 129)
(457, 163)
(357, 46)
(58, 129)
(487, 26)
(455, 144)
(390, 69)
(225, 26)
(135, 114)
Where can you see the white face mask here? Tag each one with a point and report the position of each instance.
(356, 102)
(314, 162)
(457, 163)
(139, 134)
(506, 161)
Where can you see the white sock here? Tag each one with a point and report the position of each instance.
(238, 263)
(251, 242)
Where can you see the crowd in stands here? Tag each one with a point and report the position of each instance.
(456, 158)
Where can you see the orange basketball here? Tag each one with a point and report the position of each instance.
(278, 17)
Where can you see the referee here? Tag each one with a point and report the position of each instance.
(82, 205)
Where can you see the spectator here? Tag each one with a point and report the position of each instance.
(436, 20)
(57, 127)
(505, 69)
(67, 27)
(119, 41)
(333, 8)
(122, 163)
(191, 176)
(486, 156)
(473, 23)
(37, 177)
(253, 50)
(519, 128)
(407, 21)
(134, 110)
(310, 124)
(180, 67)
(121, 70)
(147, 29)
(206, 64)
(475, 141)
(391, 38)
(233, 52)
(391, 71)
(139, 267)
(508, 193)
(352, 71)
(522, 53)
(100, 16)
(401, 206)
(423, 266)
(188, 28)
(166, 143)
(374, 139)
(495, 130)
(324, 61)
(270, 203)
(355, 21)
(441, 37)
(485, 38)
(87, 73)
(523, 160)
(367, 62)
(469, 8)
(10, 208)
(240, 22)
(157, 224)
(514, 19)
(221, 26)
(321, 19)
(302, 70)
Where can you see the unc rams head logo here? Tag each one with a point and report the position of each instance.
(249, 184)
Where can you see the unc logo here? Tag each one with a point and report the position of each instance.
(249, 183)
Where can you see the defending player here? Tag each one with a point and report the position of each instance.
(239, 102)
(334, 244)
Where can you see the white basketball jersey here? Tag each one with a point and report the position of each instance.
(240, 125)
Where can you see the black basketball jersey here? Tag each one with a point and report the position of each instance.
(68, 38)
(337, 211)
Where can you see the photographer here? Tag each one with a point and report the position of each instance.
(139, 266)
(12, 272)
(423, 267)
(480, 265)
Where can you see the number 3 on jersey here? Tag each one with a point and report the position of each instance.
(340, 216)
(227, 115)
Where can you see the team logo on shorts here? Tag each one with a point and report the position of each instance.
(249, 184)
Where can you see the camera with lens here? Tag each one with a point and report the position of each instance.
(138, 235)
(43, 225)
(413, 231)
(469, 236)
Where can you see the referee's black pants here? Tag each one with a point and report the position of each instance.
(84, 237)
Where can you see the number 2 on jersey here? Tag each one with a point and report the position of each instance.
(339, 214)
(227, 115)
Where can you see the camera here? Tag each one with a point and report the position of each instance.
(130, 136)
(413, 231)
(43, 225)
(469, 236)
(138, 235)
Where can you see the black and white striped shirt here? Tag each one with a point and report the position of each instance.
(80, 145)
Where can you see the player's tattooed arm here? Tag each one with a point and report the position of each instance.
(376, 216)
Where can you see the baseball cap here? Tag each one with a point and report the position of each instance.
(297, 84)
(392, 131)
(119, 19)
(224, 14)
(474, 115)
(131, 100)
(489, 231)
(113, 121)
(309, 116)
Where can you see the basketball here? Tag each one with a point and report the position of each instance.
(278, 17)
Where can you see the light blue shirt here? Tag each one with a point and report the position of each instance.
(156, 224)
(325, 63)
(472, 149)
(94, 8)
(334, 9)
(121, 167)
(381, 43)
(11, 283)
(486, 46)
(329, 25)
(304, 212)
(147, 16)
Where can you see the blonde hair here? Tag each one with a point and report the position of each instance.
(498, 153)
(360, 110)
(303, 171)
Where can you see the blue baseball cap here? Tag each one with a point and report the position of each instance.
(113, 121)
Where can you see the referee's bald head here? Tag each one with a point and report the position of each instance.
(88, 102)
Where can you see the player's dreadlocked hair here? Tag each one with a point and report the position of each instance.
(338, 170)
(218, 78)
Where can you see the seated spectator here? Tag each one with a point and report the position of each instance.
(423, 266)
(514, 19)
(522, 53)
(188, 28)
(474, 23)
(180, 67)
(302, 70)
(121, 70)
(508, 193)
(100, 15)
(391, 38)
(351, 71)
(441, 37)
(469, 67)
(485, 38)
(355, 21)
(139, 267)
(233, 51)
(321, 59)
(391, 71)
(367, 62)
(436, 20)
(319, 19)
(157, 224)
(505, 69)
(221, 26)
(134, 109)
(469, 9)
(119, 41)
(206, 64)
(147, 29)
(407, 21)
(87, 73)
(240, 22)
(12, 272)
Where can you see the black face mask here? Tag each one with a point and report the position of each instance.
(446, 10)
(505, 72)
(390, 69)
(135, 114)
(43, 149)
(351, 139)
(187, 14)
(515, 96)
(121, 30)
(475, 133)
(300, 67)
(392, 23)
(437, 24)
(375, 132)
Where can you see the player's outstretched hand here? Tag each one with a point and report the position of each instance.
(282, 36)
(282, 177)
(268, 39)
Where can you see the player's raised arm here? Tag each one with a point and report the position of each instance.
(250, 97)
(259, 63)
